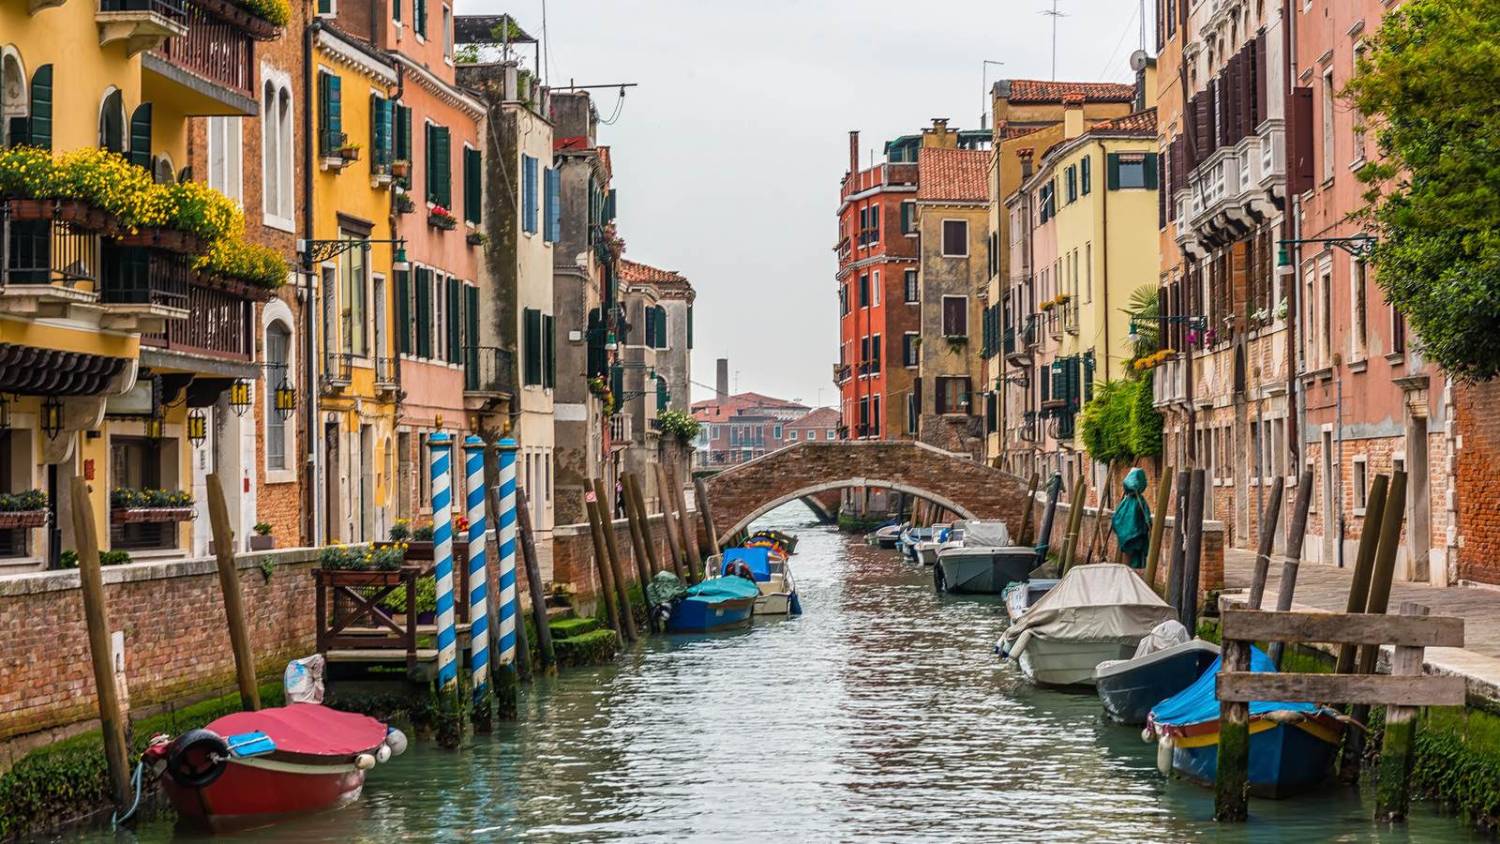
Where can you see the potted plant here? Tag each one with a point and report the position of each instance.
(262, 540)
(400, 168)
(679, 424)
(405, 204)
(477, 238)
(25, 509)
(400, 531)
(442, 218)
(349, 151)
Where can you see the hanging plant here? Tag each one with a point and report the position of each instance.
(233, 257)
(679, 424)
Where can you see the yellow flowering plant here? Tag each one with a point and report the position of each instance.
(108, 182)
(236, 258)
(28, 172)
(197, 209)
(274, 11)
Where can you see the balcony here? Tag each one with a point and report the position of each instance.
(388, 374)
(141, 24)
(220, 322)
(840, 373)
(489, 376)
(879, 176)
(621, 431)
(142, 288)
(49, 266)
(338, 370)
(209, 67)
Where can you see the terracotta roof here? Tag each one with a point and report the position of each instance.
(960, 175)
(822, 417)
(638, 272)
(1039, 91)
(1143, 122)
(735, 406)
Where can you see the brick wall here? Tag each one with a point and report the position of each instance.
(1479, 478)
(573, 556)
(176, 637)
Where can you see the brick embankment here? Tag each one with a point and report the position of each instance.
(1210, 564)
(573, 565)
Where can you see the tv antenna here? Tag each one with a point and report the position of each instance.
(984, 110)
(1054, 14)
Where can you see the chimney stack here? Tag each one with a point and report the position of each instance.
(721, 382)
(1025, 154)
(853, 152)
(1072, 115)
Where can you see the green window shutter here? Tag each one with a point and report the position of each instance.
(140, 136)
(690, 326)
(403, 312)
(469, 203)
(330, 112)
(402, 131)
(1151, 174)
(325, 7)
(617, 383)
(41, 107)
(429, 170)
(442, 160)
(419, 16)
(661, 394)
(424, 313)
(455, 319)
(549, 355)
(1112, 171)
(380, 131)
(396, 10)
(471, 315)
(1088, 175)
(531, 329)
(595, 337)
(661, 327)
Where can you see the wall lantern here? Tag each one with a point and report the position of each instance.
(286, 400)
(197, 428)
(52, 417)
(400, 264)
(239, 396)
(156, 426)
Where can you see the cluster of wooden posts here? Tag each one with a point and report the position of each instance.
(687, 557)
(1359, 632)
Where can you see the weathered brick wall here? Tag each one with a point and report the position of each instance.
(1479, 480)
(744, 490)
(176, 637)
(573, 563)
(1210, 564)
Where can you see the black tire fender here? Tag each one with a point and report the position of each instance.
(197, 758)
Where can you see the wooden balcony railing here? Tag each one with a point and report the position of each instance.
(219, 323)
(214, 50)
(138, 275)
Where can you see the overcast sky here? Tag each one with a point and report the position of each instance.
(728, 156)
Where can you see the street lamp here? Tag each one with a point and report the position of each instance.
(197, 428)
(239, 396)
(285, 399)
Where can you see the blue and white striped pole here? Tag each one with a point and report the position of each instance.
(510, 607)
(441, 446)
(479, 619)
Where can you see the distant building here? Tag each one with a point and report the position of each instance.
(741, 427)
(819, 425)
(652, 372)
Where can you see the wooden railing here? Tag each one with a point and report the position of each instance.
(346, 599)
(219, 323)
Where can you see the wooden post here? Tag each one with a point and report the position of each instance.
(637, 503)
(1075, 523)
(1023, 536)
(1098, 538)
(1268, 521)
(234, 602)
(664, 497)
(638, 545)
(700, 492)
(1393, 790)
(601, 563)
(616, 568)
(1232, 779)
(1179, 545)
(96, 616)
(1158, 523)
(1383, 571)
(1288, 586)
(534, 585)
(1044, 535)
(685, 526)
(1192, 552)
(1364, 565)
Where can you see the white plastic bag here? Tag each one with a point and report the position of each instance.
(303, 680)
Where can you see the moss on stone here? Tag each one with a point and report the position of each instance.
(564, 628)
(593, 648)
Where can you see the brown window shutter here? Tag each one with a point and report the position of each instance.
(1299, 139)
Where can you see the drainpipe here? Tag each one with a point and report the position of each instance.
(1104, 261)
(1291, 226)
(314, 508)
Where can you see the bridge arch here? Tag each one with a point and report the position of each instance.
(741, 494)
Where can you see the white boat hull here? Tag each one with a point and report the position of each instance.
(775, 595)
(1069, 662)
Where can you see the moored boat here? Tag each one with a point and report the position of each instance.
(926, 549)
(767, 569)
(1293, 745)
(718, 603)
(887, 536)
(1020, 597)
(912, 535)
(1095, 613)
(774, 538)
(1165, 662)
(250, 769)
(983, 561)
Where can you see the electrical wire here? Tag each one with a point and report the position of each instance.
(1116, 51)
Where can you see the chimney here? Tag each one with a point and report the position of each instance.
(721, 381)
(1072, 115)
(938, 136)
(853, 152)
(1025, 154)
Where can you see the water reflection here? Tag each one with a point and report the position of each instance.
(880, 714)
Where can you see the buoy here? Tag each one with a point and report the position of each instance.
(1164, 756)
(1148, 735)
(364, 761)
(383, 754)
(396, 741)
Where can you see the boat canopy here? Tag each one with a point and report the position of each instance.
(724, 589)
(308, 728)
(986, 534)
(1199, 703)
(757, 558)
(1103, 601)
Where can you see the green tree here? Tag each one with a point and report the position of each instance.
(1431, 78)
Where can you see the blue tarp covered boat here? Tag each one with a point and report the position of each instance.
(1292, 745)
(719, 603)
(768, 568)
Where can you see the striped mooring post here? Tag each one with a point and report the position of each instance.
(479, 620)
(441, 446)
(510, 607)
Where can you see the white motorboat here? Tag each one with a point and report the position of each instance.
(767, 567)
(983, 561)
(886, 537)
(940, 535)
(1094, 614)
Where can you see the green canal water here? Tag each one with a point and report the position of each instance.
(880, 715)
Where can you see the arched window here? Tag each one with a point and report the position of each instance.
(278, 360)
(14, 107)
(112, 122)
(278, 151)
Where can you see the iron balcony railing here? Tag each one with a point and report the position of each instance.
(49, 252)
(137, 275)
(173, 10)
(338, 368)
(489, 370)
(387, 372)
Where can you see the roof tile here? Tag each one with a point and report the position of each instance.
(1040, 91)
(960, 175)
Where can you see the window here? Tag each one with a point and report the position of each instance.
(473, 185)
(791, 435)
(278, 350)
(553, 216)
(330, 114)
(142, 463)
(1072, 181)
(1328, 96)
(952, 395)
(528, 194)
(955, 316)
(1325, 312)
(875, 287)
(1361, 483)
(1131, 170)
(381, 140)
(352, 298)
(912, 295)
(278, 153)
(1358, 296)
(908, 216)
(864, 290)
(1398, 332)
(1085, 168)
(874, 224)
(419, 17)
(909, 348)
(225, 156)
(829, 434)
(776, 432)
(439, 165)
(112, 122)
(1046, 203)
(396, 10)
(875, 354)
(955, 238)
(531, 330)
(447, 33)
(1359, 120)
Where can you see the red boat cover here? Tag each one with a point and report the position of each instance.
(307, 728)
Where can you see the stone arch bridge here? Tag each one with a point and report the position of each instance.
(741, 494)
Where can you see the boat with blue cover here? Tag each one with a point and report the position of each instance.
(719, 603)
(1293, 745)
(1165, 662)
(767, 569)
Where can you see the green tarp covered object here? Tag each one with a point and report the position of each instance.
(1132, 520)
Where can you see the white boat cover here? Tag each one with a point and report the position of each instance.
(986, 534)
(1104, 601)
(1168, 634)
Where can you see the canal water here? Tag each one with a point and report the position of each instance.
(879, 715)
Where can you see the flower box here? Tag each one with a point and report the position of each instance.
(74, 211)
(262, 543)
(349, 153)
(140, 515)
(477, 239)
(22, 519)
(404, 204)
(446, 222)
(400, 169)
(169, 240)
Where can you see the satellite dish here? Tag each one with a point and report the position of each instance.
(1138, 60)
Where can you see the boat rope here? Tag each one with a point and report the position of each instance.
(116, 819)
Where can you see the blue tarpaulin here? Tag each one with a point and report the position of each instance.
(1199, 703)
(758, 559)
(724, 589)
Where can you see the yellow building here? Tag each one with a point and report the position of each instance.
(353, 262)
(117, 353)
(1091, 205)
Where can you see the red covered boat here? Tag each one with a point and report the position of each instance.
(254, 768)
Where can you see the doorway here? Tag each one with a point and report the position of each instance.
(366, 502)
(333, 476)
(1418, 505)
(1330, 515)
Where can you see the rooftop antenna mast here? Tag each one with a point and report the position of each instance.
(1054, 14)
(984, 99)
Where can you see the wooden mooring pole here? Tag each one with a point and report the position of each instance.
(700, 492)
(616, 568)
(534, 585)
(1023, 537)
(1049, 513)
(1158, 524)
(601, 564)
(96, 615)
(1179, 544)
(1232, 779)
(1398, 749)
(669, 524)
(1268, 520)
(637, 505)
(1294, 538)
(1075, 523)
(685, 526)
(638, 545)
(1382, 573)
(1192, 555)
(234, 602)
(1364, 565)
